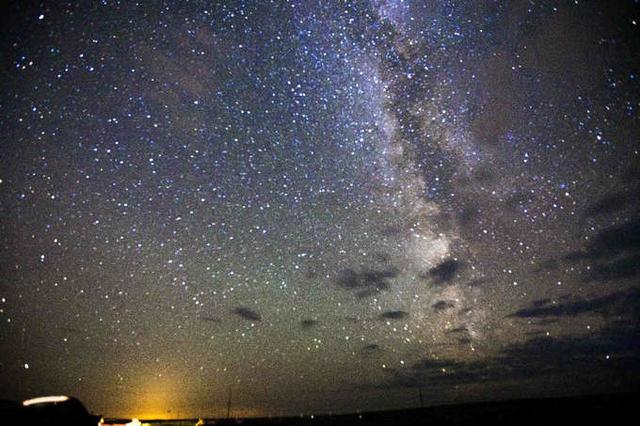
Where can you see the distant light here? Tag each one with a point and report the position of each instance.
(44, 400)
(136, 422)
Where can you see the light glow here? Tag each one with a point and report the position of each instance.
(44, 400)
(136, 422)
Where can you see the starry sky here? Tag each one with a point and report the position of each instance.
(322, 206)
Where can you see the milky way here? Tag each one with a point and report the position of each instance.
(320, 206)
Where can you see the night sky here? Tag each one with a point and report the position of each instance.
(322, 206)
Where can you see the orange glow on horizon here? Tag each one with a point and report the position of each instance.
(177, 414)
(148, 396)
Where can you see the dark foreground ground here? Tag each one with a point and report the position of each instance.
(592, 410)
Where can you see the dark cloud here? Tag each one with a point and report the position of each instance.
(443, 305)
(458, 330)
(366, 282)
(211, 319)
(618, 269)
(627, 301)
(620, 302)
(247, 314)
(614, 253)
(534, 333)
(444, 272)
(394, 315)
(308, 323)
(546, 321)
(535, 358)
(610, 204)
(541, 302)
(615, 240)
(431, 364)
(370, 348)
